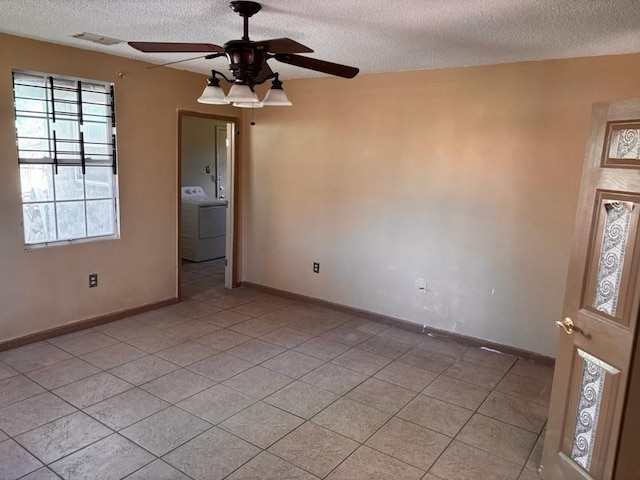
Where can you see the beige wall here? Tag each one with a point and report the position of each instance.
(467, 178)
(45, 288)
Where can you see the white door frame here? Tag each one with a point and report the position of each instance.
(231, 253)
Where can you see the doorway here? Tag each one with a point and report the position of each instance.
(207, 194)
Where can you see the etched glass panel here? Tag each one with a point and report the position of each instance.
(625, 144)
(591, 387)
(611, 262)
(592, 390)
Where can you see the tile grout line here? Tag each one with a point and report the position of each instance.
(72, 413)
(320, 335)
(451, 439)
(465, 423)
(326, 407)
(455, 438)
(114, 432)
(117, 432)
(77, 410)
(376, 431)
(363, 444)
(265, 450)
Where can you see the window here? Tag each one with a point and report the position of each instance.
(66, 142)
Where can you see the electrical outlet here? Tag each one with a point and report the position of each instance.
(93, 280)
(316, 267)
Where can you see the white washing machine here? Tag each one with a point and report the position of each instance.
(204, 226)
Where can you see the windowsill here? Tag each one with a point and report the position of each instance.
(62, 243)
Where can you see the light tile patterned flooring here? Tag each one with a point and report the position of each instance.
(245, 385)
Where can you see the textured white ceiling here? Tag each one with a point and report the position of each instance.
(374, 35)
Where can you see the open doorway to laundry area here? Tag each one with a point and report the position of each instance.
(207, 181)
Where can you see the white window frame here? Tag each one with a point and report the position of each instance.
(107, 161)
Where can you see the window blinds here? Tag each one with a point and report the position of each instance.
(64, 122)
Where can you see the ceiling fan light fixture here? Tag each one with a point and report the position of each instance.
(248, 104)
(213, 93)
(275, 96)
(240, 93)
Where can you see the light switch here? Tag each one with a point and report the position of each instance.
(207, 169)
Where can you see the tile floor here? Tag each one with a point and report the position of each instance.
(243, 385)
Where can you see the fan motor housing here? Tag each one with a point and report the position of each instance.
(245, 8)
(245, 60)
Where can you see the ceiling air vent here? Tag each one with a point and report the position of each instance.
(92, 37)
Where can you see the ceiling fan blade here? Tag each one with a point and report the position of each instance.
(318, 65)
(170, 47)
(264, 73)
(283, 45)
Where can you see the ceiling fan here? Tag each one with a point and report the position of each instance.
(248, 63)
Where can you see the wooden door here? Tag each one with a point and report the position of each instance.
(601, 300)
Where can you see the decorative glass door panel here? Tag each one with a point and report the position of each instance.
(613, 247)
(622, 147)
(591, 387)
(587, 424)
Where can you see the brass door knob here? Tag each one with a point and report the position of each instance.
(567, 325)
